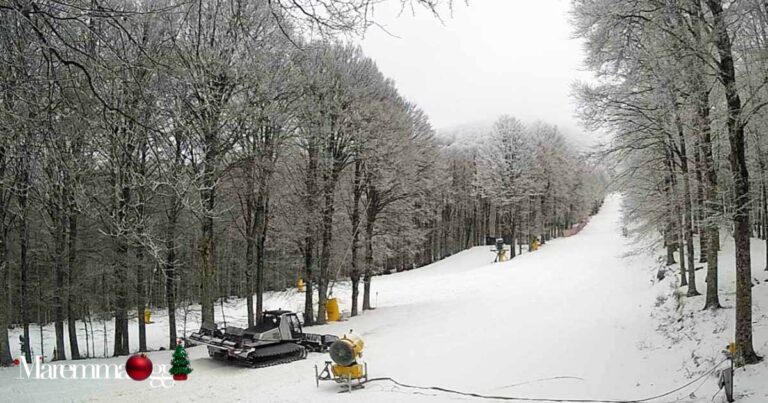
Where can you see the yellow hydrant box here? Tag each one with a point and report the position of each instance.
(332, 309)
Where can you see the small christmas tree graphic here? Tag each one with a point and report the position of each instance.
(180, 364)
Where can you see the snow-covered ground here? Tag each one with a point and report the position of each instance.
(578, 319)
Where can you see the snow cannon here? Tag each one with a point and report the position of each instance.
(499, 250)
(499, 244)
(346, 367)
(347, 350)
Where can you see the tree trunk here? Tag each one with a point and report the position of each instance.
(374, 206)
(544, 218)
(250, 216)
(745, 352)
(141, 297)
(368, 272)
(669, 241)
(687, 208)
(309, 246)
(5, 198)
(206, 241)
(531, 221)
(173, 210)
(262, 219)
(354, 274)
(688, 223)
(140, 307)
(74, 349)
(708, 226)
(61, 276)
(765, 219)
(309, 237)
(170, 273)
(763, 203)
(121, 345)
(5, 347)
(514, 234)
(23, 255)
(207, 278)
(674, 210)
(141, 269)
(326, 243)
(681, 248)
(250, 249)
(700, 201)
(710, 187)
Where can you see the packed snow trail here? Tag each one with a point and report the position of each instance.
(571, 320)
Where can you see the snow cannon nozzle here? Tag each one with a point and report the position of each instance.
(342, 353)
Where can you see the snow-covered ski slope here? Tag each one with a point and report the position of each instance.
(577, 319)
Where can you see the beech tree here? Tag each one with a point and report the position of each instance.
(665, 68)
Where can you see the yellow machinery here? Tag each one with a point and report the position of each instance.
(346, 367)
(500, 251)
(332, 310)
(535, 245)
(300, 285)
(501, 256)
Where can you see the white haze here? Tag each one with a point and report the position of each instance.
(488, 58)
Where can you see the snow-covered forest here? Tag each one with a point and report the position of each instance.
(681, 86)
(161, 154)
(269, 182)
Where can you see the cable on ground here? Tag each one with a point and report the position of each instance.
(539, 399)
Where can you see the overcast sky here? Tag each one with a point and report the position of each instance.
(488, 58)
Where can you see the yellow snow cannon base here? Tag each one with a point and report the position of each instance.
(355, 371)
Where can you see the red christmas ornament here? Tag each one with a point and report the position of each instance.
(16, 362)
(139, 367)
